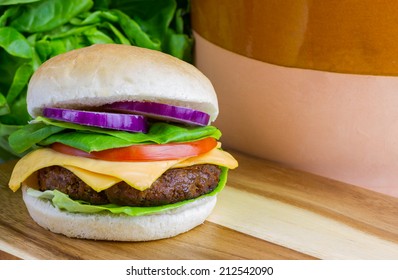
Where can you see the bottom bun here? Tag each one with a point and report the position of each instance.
(101, 226)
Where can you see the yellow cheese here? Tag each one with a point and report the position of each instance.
(100, 174)
(97, 181)
(215, 156)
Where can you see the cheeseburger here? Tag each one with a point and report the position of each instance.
(120, 146)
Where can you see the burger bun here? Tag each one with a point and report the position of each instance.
(106, 73)
(100, 226)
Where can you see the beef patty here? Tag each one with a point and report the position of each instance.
(174, 185)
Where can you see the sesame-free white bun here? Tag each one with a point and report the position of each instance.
(119, 227)
(106, 73)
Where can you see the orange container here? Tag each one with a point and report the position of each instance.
(310, 84)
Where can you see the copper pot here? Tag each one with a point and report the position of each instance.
(310, 84)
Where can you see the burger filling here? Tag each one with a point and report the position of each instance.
(174, 185)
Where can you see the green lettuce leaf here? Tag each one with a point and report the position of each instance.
(44, 132)
(63, 202)
(29, 135)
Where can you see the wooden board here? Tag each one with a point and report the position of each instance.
(265, 212)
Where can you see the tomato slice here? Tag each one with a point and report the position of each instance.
(145, 152)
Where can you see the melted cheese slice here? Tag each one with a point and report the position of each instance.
(101, 174)
(98, 181)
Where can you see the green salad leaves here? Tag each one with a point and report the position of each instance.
(32, 31)
(44, 132)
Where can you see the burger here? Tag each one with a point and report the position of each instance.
(120, 146)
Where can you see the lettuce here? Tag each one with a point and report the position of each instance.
(63, 202)
(32, 31)
(44, 132)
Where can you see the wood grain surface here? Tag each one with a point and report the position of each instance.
(265, 212)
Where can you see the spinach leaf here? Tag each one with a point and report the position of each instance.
(48, 14)
(20, 81)
(14, 43)
(14, 2)
(4, 109)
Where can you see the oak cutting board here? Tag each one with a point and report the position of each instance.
(265, 212)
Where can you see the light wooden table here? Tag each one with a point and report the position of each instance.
(265, 212)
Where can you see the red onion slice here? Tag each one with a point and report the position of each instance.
(127, 122)
(161, 111)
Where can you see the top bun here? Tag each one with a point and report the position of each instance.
(106, 73)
